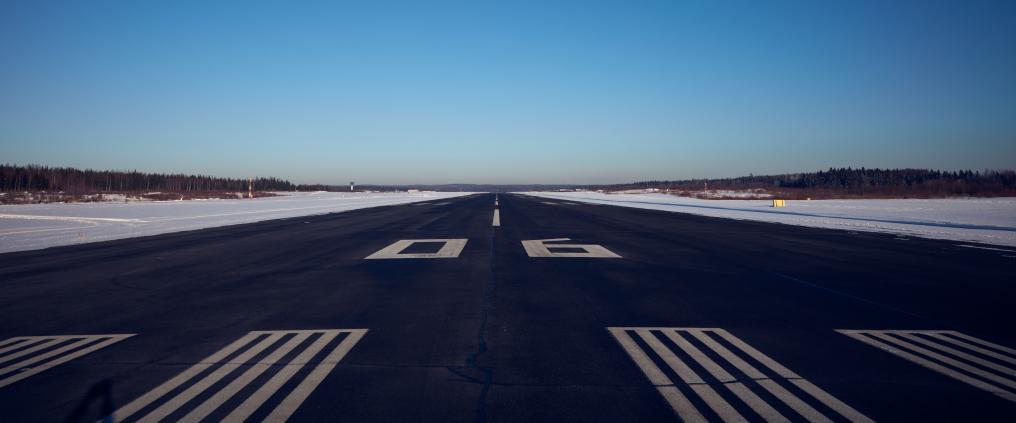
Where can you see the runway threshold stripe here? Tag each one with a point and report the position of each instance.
(31, 355)
(302, 391)
(954, 354)
(274, 346)
(239, 383)
(742, 392)
(746, 391)
(680, 403)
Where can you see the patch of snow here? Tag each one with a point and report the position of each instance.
(985, 220)
(35, 226)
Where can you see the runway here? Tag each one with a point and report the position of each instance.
(509, 308)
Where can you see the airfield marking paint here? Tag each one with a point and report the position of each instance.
(744, 390)
(961, 363)
(539, 248)
(986, 248)
(68, 348)
(451, 249)
(263, 341)
(497, 218)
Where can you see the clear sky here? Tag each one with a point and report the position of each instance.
(507, 92)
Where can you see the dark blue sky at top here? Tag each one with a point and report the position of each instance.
(507, 92)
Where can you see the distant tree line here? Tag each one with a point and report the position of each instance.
(14, 178)
(849, 182)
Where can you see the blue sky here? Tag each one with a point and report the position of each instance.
(507, 92)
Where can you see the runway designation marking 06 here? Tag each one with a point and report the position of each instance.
(741, 375)
(973, 361)
(451, 249)
(539, 248)
(26, 356)
(271, 358)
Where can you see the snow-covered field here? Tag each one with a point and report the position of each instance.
(987, 220)
(34, 226)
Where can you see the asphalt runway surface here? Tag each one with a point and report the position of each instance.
(640, 316)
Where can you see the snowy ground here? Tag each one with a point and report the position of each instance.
(987, 220)
(34, 226)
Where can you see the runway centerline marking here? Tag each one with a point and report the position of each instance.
(773, 378)
(224, 363)
(497, 218)
(451, 249)
(540, 248)
(976, 362)
(25, 356)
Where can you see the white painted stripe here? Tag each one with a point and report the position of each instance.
(252, 403)
(47, 355)
(756, 403)
(497, 218)
(946, 360)
(194, 390)
(685, 410)
(731, 358)
(12, 344)
(973, 347)
(742, 391)
(977, 383)
(757, 355)
(980, 341)
(39, 346)
(303, 390)
(677, 401)
(704, 391)
(965, 356)
(753, 401)
(830, 401)
(683, 371)
(276, 346)
(808, 412)
(720, 406)
(653, 373)
(986, 248)
(61, 355)
(151, 396)
(224, 394)
(696, 354)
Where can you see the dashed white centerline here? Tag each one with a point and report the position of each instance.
(497, 218)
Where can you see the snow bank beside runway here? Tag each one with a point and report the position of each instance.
(34, 226)
(987, 220)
